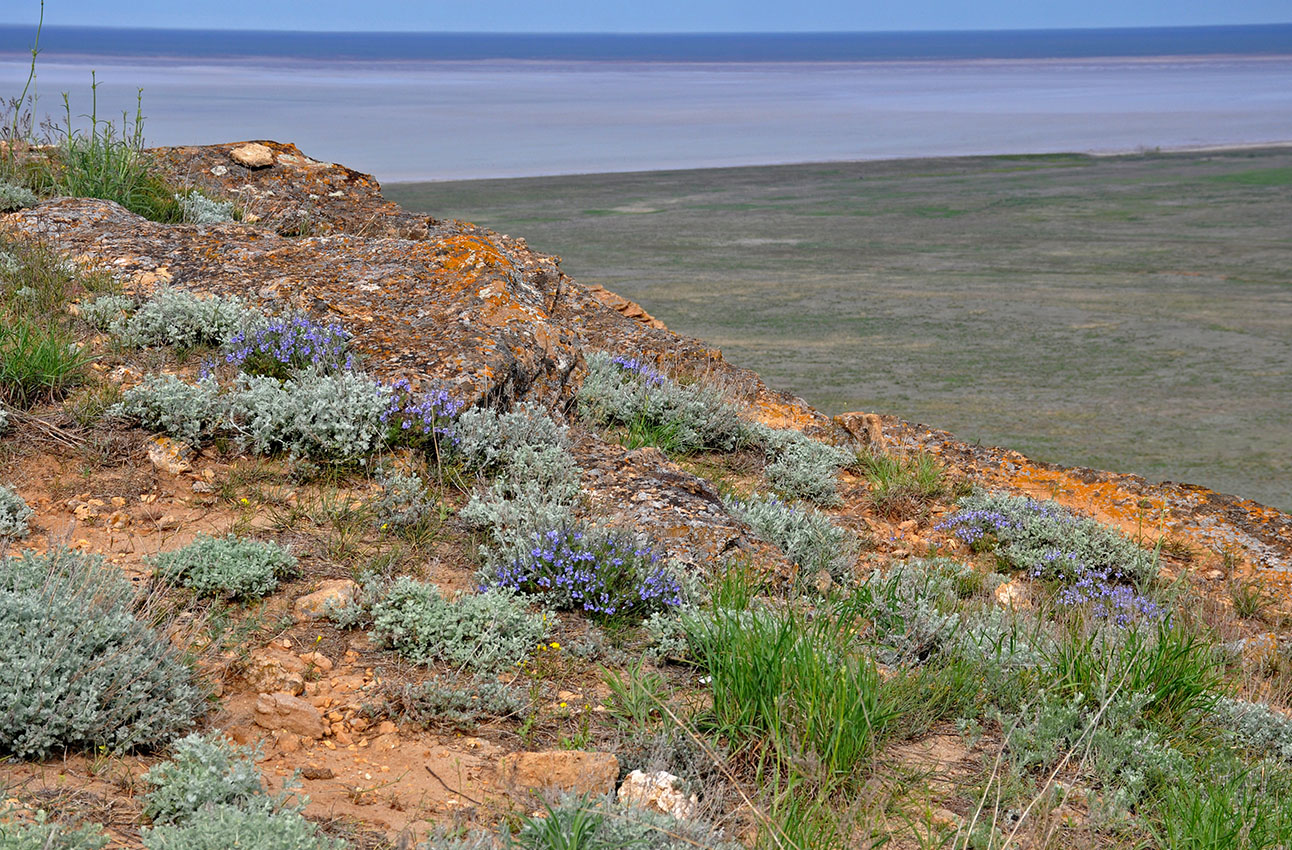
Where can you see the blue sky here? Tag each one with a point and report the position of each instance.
(646, 15)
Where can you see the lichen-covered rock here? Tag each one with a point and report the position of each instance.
(567, 770)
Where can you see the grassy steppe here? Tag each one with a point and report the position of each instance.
(1130, 313)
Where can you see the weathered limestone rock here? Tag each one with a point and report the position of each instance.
(288, 713)
(866, 428)
(568, 770)
(332, 594)
(169, 456)
(659, 791)
(252, 155)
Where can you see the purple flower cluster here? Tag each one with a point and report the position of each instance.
(645, 371)
(294, 342)
(1109, 598)
(602, 573)
(971, 526)
(419, 418)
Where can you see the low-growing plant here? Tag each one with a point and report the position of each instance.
(1254, 727)
(404, 502)
(78, 670)
(287, 344)
(163, 402)
(800, 467)
(1046, 539)
(656, 410)
(15, 197)
(1249, 597)
(489, 441)
(807, 537)
(179, 318)
(230, 566)
(261, 826)
(41, 834)
(537, 489)
(902, 485)
(38, 361)
(478, 631)
(333, 418)
(605, 572)
(105, 311)
(593, 823)
(14, 513)
(1225, 812)
(196, 208)
(204, 771)
(436, 703)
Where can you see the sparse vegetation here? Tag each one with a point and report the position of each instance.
(78, 668)
(14, 513)
(230, 567)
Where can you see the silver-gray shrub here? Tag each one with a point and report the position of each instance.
(163, 402)
(807, 537)
(230, 566)
(204, 771)
(1043, 538)
(800, 467)
(606, 825)
(43, 835)
(259, 825)
(488, 440)
(14, 513)
(623, 391)
(404, 501)
(78, 669)
(333, 417)
(15, 197)
(4, 418)
(106, 311)
(485, 632)
(180, 318)
(914, 609)
(196, 208)
(1254, 726)
(538, 489)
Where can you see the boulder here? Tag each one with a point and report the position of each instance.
(332, 594)
(288, 713)
(566, 770)
(253, 155)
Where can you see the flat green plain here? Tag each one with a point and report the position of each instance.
(1129, 313)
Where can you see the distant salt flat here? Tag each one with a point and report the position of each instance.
(414, 120)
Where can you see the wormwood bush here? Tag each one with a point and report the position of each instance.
(77, 669)
(657, 410)
(106, 310)
(489, 441)
(14, 514)
(1254, 726)
(205, 771)
(15, 197)
(480, 631)
(436, 703)
(800, 467)
(226, 566)
(328, 417)
(598, 823)
(258, 825)
(806, 536)
(42, 835)
(179, 318)
(4, 419)
(163, 402)
(537, 489)
(404, 502)
(604, 572)
(1026, 534)
(196, 208)
(914, 608)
